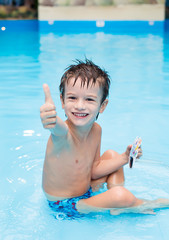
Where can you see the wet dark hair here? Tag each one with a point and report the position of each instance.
(88, 73)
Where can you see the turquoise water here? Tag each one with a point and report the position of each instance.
(138, 64)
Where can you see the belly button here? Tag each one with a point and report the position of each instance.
(76, 161)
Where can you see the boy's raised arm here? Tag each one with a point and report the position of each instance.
(49, 117)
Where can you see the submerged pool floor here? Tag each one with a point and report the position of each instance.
(137, 62)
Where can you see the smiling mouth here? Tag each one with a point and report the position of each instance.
(80, 115)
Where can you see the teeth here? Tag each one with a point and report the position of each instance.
(80, 114)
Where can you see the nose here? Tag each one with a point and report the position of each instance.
(80, 104)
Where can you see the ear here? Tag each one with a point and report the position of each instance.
(103, 106)
(62, 101)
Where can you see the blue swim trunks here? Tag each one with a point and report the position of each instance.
(66, 208)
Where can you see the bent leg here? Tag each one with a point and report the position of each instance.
(114, 179)
(116, 197)
(120, 200)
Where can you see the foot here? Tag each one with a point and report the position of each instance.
(131, 210)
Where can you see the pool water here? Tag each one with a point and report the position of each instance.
(138, 63)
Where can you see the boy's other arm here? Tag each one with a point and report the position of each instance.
(49, 117)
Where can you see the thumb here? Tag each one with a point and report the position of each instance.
(48, 97)
(128, 149)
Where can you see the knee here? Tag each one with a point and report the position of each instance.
(124, 197)
(110, 154)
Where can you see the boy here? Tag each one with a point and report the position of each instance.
(73, 163)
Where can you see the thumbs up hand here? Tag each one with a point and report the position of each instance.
(48, 110)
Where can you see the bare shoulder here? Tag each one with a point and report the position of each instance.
(97, 129)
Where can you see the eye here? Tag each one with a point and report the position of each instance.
(72, 97)
(90, 99)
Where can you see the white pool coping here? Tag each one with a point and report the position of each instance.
(154, 12)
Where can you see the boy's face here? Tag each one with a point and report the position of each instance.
(81, 103)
